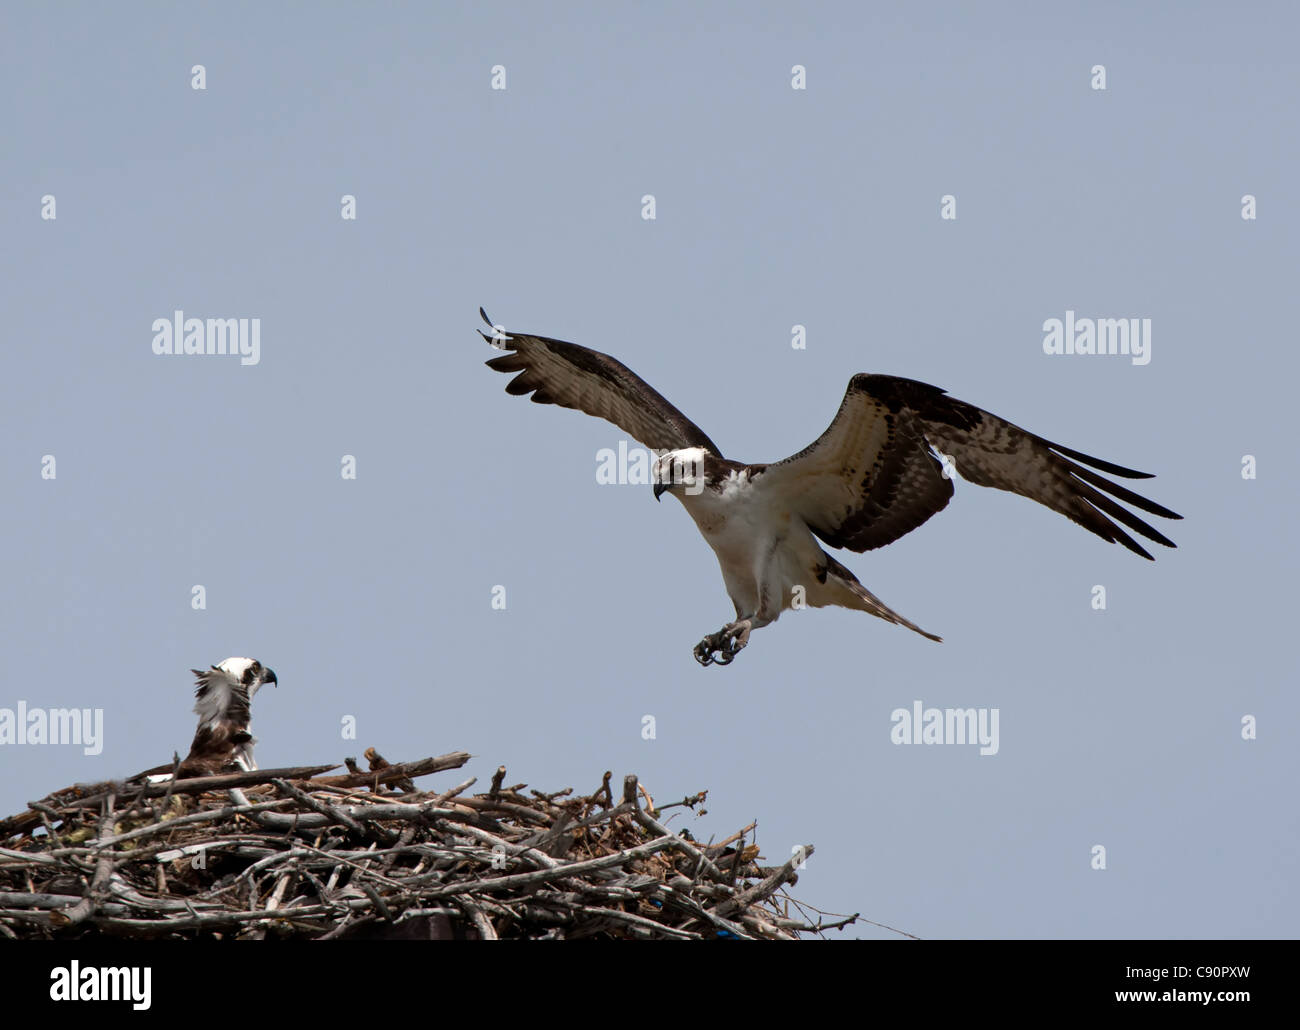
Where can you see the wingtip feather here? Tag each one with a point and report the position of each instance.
(1099, 463)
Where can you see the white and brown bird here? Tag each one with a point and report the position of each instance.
(224, 694)
(874, 475)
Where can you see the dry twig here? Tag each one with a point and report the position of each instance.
(290, 853)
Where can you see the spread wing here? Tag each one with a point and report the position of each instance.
(873, 475)
(562, 373)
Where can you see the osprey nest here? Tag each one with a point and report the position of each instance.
(294, 854)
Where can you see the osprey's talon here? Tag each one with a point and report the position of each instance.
(722, 644)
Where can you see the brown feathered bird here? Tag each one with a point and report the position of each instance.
(873, 476)
(223, 742)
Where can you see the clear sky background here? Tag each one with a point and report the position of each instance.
(775, 207)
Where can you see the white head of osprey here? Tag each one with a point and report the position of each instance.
(631, 465)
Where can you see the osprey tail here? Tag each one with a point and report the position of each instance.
(854, 595)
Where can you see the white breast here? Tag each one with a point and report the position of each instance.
(747, 533)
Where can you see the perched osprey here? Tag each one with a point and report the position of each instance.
(223, 743)
(874, 475)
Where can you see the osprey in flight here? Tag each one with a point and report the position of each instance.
(223, 743)
(873, 476)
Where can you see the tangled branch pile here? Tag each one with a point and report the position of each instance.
(291, 853)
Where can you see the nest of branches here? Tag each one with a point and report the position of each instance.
(293, 853)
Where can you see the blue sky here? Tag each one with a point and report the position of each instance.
(775, 207)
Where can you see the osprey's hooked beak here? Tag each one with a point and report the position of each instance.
(659, 490)
(270, 677)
